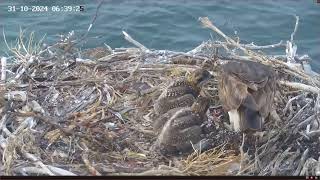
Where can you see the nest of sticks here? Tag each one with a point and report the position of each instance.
(66, 111)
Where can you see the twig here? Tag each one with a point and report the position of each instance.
(3, 68)
(156, 172)
(299, 113)
(3, 121)
(88, 30)
(305, 122)
(289, 103)
(91, 169)
(31, 170)
(16, 96)
(38, 162)
(255, 47)
(60, 172)
(242, 153)
(94, 18)
(47, 120)
(295, 28)
(301, 86)
(312, 133)
(136, 43)
(256, 56)
(302, 161)
(29, 62)
(215, 45)
(279, 160)
(309, 163)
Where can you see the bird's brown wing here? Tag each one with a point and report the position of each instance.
(181, 81)
(162, 119)
(231, 91)
(254, 75)
(265, 97)
(179, 91)
(164, 104)
(186, 121)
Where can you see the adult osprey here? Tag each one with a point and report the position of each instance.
(246, 91)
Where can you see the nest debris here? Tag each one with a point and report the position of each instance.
(72, 112)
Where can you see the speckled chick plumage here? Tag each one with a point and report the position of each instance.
(183, 127)
(181, 92)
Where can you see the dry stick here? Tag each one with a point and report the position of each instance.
(72, 83)
(250, 46)
(279, 160)
(89, 28)
(295, 28)
(310, 162)
(208, 24)
(31, 170)
(312, 133)
(86, 161)
(49, 121)
(136, 43)
(302, 161)
(91, 169)
(255, 47)
(298, 113)
(289, 103)
(3, 69)
(38, 162)
(20, 73)
(155, 172)
(242, 153)
(3, 121)
(291, 48)
(60, 171)
(305, 122)
(301, 86)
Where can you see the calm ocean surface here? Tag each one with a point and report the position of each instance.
(172, 24)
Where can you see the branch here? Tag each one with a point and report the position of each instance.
(305, 122)
(256, 56)
(136, 43)
(216, 44)
(291, 47)
(301, 86)
(60, 171)
(3, 68)
(295, 28)
(312, 133)
(38, 162)
(302, 161)
(255, 47)
(89, 28)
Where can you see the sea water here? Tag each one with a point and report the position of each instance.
(170, 24)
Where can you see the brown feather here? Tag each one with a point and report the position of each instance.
(249, 85)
